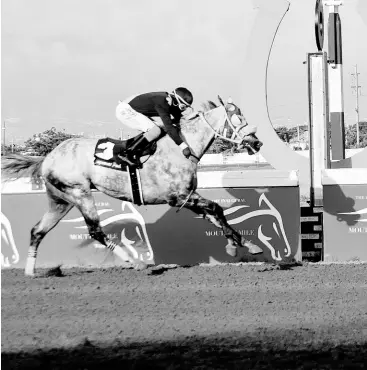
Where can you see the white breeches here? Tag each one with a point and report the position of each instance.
(132, 119)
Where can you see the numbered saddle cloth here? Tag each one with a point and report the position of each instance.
(107, 150)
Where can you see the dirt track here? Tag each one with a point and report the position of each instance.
(228, 317)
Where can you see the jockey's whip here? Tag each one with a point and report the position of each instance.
(186, 200)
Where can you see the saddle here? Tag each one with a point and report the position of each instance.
(111, 153)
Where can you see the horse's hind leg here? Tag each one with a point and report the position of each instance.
(58, 208)
(214, 213)
(88, 209)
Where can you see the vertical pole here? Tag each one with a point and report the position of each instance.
(336, 81)
(318, 123)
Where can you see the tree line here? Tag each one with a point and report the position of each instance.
(290, 136)
(43, 143)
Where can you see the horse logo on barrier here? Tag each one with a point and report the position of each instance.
(133, 234)
(270, 230)
(9, 251)
(276, 224)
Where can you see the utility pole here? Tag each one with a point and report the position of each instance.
(356, 87)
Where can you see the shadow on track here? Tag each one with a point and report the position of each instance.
(230, 352)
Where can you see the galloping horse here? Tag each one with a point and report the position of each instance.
(167, 177)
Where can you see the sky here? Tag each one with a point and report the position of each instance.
(66, 64)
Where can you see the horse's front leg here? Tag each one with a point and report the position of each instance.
(214, 213)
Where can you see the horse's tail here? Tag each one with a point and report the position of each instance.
(14, 166)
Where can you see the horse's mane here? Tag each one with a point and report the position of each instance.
(206, 106)
(188, 123)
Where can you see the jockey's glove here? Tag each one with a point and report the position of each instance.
(185, 150)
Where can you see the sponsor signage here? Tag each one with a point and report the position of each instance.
(345, 222)
(156, 234)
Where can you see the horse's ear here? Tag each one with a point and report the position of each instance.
(193, 115)
(212, 105)
(220, 100)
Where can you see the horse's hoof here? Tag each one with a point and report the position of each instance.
(253, 248)
(140, 266)
(231, 250)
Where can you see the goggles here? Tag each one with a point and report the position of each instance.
(182, 104)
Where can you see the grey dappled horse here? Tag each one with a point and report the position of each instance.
(167, 176)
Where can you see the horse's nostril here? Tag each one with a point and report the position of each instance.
(258, 145)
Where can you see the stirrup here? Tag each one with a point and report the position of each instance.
(129, 162)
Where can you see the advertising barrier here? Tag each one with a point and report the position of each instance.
(261, 205)
(345, 215)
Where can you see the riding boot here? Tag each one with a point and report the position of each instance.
(134, 152)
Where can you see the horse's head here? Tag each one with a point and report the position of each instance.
(225, 121)
(240, 129)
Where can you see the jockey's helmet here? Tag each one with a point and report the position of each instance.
(182, 98)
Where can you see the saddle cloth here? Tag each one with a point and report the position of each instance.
(107, 150)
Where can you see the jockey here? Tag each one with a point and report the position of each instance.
(151, 112)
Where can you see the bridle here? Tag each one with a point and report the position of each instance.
(235, 138)
(217, 131)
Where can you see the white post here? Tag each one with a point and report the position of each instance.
(318, 122)
(335, 73)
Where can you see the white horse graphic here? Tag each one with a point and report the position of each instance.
(8, 242)
(133, 235)
(276, 222)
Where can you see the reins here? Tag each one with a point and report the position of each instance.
(235, 130)
(216, 132)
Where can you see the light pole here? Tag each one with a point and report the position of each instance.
(356, 87)
(10, 120)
